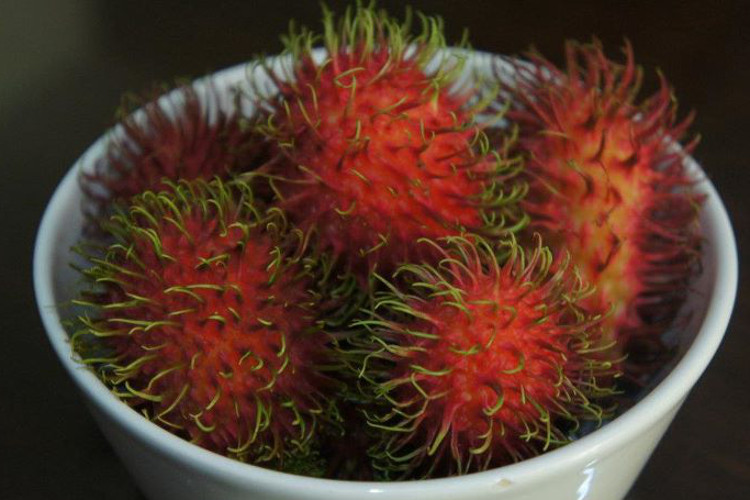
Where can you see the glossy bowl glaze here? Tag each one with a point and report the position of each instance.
(602, 465)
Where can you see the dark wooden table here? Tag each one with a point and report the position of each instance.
(65, 64)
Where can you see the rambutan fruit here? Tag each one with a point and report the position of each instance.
(481, 360)
(609, 183)
(206, 315)
(184, 134)
(376, 142)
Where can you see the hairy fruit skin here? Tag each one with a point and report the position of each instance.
(185, 134)
(376, 150)
(609, 184)
(201, 316)
(473, 364)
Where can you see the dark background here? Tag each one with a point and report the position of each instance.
(64, 64)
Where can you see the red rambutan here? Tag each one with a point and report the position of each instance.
(185, 134)
(608, 183)
(376, 144)
(202, 315)
(471, 364)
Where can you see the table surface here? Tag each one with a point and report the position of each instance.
(65, 64)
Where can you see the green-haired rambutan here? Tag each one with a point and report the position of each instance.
(481, 360)
(206, 315)
(376, 142)
(608, 182)
(185, 134)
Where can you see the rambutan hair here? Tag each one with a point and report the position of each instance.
(480, 360)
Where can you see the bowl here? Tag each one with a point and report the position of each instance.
(601, 465)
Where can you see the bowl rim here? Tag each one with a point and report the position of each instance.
(665, 396)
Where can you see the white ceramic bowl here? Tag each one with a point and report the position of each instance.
(602, 465)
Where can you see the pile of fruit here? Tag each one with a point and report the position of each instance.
(388, 270)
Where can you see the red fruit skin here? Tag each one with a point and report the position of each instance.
(183, 135)
(214, 337)
(489, 362)
(608, 183)
(375, 152)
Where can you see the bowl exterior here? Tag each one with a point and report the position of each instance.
(165, 475)
(601, 466)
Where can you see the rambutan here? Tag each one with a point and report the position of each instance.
(184, 134)
(377, 145)
(206, 315)
(481, 360)
(608, 183)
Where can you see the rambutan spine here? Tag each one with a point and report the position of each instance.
(480, 360)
